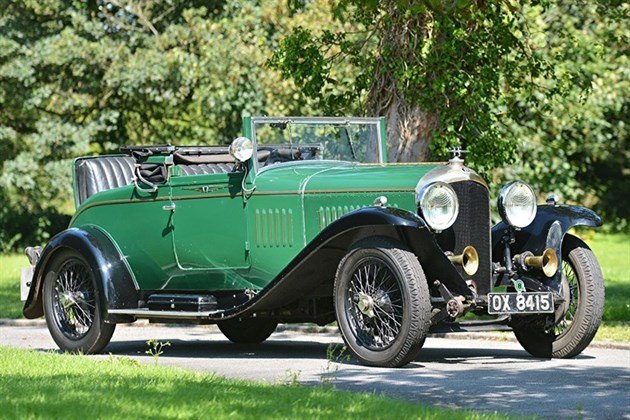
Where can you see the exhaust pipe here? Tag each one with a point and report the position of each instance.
(547, 262)
(468, 260)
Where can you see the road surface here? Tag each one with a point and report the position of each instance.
(475, 374)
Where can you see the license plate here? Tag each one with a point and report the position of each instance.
(520, 303)
(26, 278)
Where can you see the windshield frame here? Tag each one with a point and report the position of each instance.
(250, 131)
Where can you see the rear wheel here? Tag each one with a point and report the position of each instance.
(572, 328)
(72, 305)
(247, 330)
(382, 303)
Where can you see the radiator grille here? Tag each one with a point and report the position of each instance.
(472, 227)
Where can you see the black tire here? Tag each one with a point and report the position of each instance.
(568, 332)
(247, 330)
(382, 303)
(72, 305)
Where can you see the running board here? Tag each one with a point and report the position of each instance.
(146, 313)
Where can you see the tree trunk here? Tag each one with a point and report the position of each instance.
(409, 128)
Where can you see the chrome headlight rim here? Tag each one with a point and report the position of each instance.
(241, 149)
(504, 212)
(424, 195)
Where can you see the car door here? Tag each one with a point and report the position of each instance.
(133, 216)
(209, 231)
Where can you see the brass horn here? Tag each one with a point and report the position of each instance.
(547, 262)
(468, 260)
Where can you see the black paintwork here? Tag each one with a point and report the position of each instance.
(114, 282)
(546, 231)
(312, 271)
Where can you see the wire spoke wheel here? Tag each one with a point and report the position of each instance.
(571, 288)
(72, 304)
(382, 302)
(571, 329)
(74, 301)
(374, 304)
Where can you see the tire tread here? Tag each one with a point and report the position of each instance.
(588, 315)
(100, 333)
(419, 321)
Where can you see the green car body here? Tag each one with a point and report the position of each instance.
(221, 239)
(218, 240)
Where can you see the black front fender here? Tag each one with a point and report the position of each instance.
(546, 231)
(313, 269)
(410, 229)
(115, 284)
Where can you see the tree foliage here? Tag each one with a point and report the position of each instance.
(80, 78)
(542, 84)
(444, 73)
(576, 144)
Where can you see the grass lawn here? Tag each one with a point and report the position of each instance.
(35, 385)
(612, 251)
(613, 254)
(10, 304)
(614, 331)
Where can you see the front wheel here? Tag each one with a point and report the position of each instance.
(72, 305)
(382, 303)
(572, 328)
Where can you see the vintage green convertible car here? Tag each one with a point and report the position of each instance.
(302, 220)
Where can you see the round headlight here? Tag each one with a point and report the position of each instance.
(517, 204)
(241, 149)
(439, 205)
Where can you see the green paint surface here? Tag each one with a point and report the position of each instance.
(217, 238)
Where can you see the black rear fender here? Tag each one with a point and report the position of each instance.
(115, 284)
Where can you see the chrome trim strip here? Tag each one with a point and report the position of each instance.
(145, 313)
(321, 120)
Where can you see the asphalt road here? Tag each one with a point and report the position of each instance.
(475, 374)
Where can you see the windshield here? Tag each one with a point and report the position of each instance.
(281, 140)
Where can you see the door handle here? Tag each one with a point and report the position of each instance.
(169, 207)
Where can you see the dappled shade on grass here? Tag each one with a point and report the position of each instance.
(33, 384)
